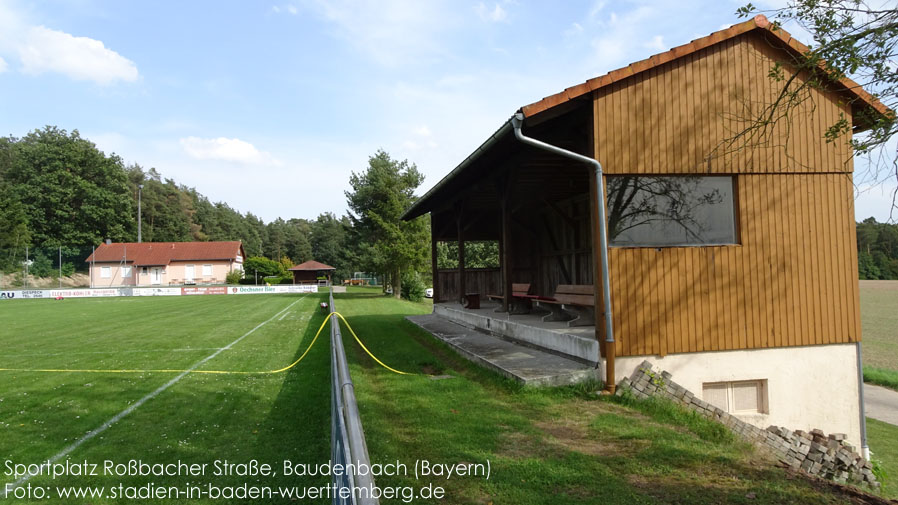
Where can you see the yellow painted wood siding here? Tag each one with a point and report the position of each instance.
(792, 280)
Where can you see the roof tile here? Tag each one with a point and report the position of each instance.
(163, 253)
(759, 22)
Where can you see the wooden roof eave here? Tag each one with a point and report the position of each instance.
(427, 202)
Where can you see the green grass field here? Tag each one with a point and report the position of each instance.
(879, 318)
(199, 419)
(558, 446)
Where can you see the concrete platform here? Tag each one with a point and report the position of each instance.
(522, 363)
(577, 342)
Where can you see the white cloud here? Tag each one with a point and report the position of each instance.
(657, 43)
(80, 58)
(423, 139)
(225, 149)
(275, 9)
(292, 9)
(3, 65)
(494, 15)
(393, 33)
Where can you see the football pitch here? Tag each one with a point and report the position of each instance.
(59, 424)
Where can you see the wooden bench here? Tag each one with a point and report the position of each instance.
(520, 299)
(574, 303)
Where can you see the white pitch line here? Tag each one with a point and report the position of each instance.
(118, 417)
(131, 351)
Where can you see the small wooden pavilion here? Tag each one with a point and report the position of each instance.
(713, 246)
(311, 272)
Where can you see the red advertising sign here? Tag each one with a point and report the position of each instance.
(209, 290)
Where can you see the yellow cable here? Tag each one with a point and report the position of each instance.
(222, 372)
(381, 363)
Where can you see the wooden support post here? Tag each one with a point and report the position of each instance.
(505, 246)
(433, 260)
(462, 288)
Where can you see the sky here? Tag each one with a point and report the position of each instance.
(271, 106)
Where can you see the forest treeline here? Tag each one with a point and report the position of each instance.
(877, 250)
(58, 190)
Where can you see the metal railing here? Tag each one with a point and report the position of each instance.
(348, 447)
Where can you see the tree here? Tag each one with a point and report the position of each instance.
(851, 39)
(262, 266)
(70, 191)
(296, 240)
(379, 196)
(331, 243)
(478, 254)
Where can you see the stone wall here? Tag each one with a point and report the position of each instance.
(828, 457)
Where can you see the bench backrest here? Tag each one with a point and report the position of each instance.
(576, 294)
(520, 289)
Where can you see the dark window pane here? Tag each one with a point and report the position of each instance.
(670, 211)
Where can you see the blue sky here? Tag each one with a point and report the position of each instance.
(270, 106)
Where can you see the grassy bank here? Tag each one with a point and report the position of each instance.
(881, 377)
(558, 446)
(883, 440)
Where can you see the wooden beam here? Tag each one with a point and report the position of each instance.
(554, 243)
(462, 288)
(504, 187)
(433, 263)
(564, 216)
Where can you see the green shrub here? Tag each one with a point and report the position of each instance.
(68, 269)
(412, 287)
(42, 266)
(234, 277)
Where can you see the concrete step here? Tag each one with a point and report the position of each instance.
(527, 328)
(526, 365)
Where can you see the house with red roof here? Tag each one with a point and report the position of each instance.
(164, 263)
(312, 272)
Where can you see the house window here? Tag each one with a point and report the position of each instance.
(737, 397)
(207, 270)
(143, 271)
(671, 211)
(126, 272)
(105, 272)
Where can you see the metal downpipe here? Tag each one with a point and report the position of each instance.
(516, 122)
(865, 449)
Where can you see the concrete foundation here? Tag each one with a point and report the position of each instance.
(807, 387)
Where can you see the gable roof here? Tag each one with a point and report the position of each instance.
(504, 136)
(311, 265)
(163, 253)
(759, 22)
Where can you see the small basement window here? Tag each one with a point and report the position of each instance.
(737, 397)
(671, 211)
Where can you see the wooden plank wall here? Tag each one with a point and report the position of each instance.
(477, 280)
(565, 255)
(792, 280)
(675, 118)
